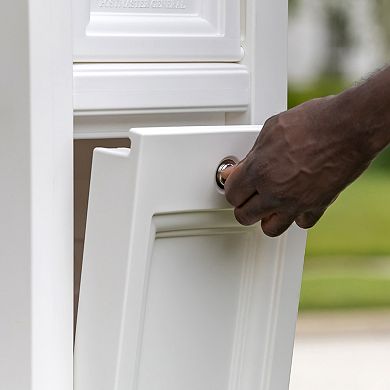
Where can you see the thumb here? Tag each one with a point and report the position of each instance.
(227, 172)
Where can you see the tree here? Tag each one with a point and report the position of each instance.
(340, 38)
(382, 10)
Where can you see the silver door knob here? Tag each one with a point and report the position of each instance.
(227, 163)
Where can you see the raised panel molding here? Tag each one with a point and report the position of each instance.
(151, 88)
(156, 30)
(100, 126)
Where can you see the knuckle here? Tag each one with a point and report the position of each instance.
(277, 122)
(270, 122)
(283, 121)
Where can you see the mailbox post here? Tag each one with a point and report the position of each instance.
(36, 202)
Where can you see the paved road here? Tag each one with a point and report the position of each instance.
(355, 356)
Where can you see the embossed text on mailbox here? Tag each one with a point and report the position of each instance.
(144, 6)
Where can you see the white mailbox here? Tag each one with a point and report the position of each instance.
(175, 294)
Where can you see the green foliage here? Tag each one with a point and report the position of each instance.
(340, 38)
(382, 13)
(292, 5)
(324, 86)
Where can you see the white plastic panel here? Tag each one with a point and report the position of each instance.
(117, 126)
(36, 198)
(175, 294)
(156, 30)
(152, 88)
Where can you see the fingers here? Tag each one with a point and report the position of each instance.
(257, 207)
(254, 210)
(276, 224)
(251, 211)
(239, 186)
(273, 224)
(309, 218)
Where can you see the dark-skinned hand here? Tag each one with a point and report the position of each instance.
(302, 159)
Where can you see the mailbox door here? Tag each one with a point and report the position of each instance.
(175, 294)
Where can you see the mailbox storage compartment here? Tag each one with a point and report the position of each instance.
(156, 30)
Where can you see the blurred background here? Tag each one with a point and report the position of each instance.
(343, 331)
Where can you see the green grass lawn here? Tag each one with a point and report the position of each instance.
(345, 292)
(347, 263)
(336, 283)
(358, 223)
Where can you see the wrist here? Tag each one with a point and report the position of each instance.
(364, 118)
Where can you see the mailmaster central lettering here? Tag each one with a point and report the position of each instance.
(151, 4)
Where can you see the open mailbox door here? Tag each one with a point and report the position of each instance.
(175, 294)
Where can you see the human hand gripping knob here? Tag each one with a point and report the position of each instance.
(303, 158)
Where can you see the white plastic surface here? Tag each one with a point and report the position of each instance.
(36, 240)
(175, 294)
(244, 93)
(152, 88)
(156, 30)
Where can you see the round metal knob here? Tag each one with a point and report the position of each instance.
(227, 163)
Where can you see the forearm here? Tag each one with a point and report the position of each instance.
(365, 110)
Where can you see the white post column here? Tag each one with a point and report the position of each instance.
(36, 255)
